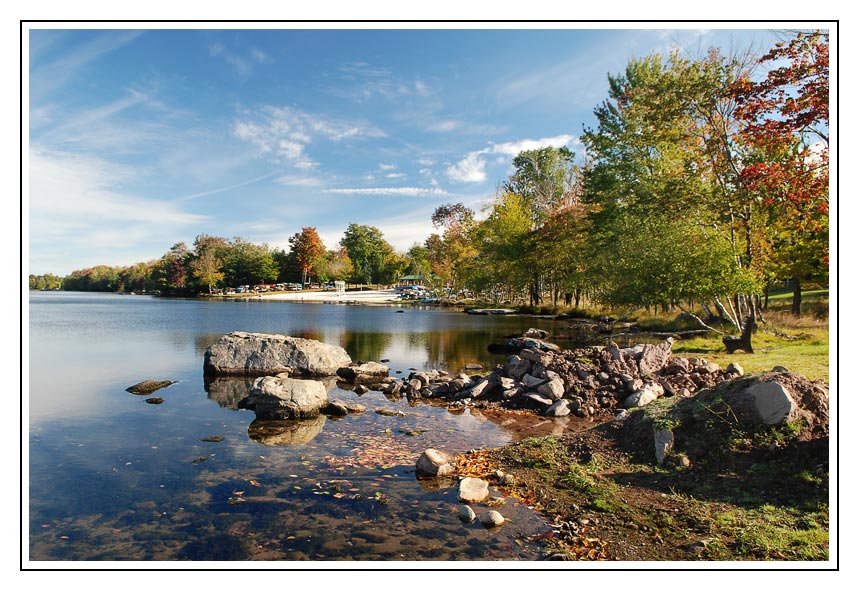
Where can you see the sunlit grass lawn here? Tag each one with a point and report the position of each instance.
(806, 351)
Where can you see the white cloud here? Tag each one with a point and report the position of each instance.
(395, 175)
(383, 166)
(513, 148)
(471, 169)
(407, 191)
(283, 133)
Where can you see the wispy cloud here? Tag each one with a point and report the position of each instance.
(49, 76)
(228, 188)
(362, 81)
(406, 191)
(283, 133)
(299, 181)
(243, 61)
(472, 167)
(77, 204)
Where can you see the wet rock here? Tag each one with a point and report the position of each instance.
(473, 490)
(339, 408)
(558, 409)
(361, 389)
(389, 413)
(365, 371)
(154, 400)
(148, 386)
(466, 514)
(214, 439)
(277, 397)
(491, 519)
(259, 354)
(433, 462)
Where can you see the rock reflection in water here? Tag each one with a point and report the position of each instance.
(285, 432)
(431, 484)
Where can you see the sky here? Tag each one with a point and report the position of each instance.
(143, 138)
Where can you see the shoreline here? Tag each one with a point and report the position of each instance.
(370, 296)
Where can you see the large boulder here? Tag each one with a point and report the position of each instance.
(772, 403)
(258, 354)
(281, 397)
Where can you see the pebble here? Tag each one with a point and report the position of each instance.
(491, 519)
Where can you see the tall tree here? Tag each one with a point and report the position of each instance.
(786, 117)
(544, 178)
(309, 251)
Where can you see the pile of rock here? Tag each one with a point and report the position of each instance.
(590, 381)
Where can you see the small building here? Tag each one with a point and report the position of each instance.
(418, 279)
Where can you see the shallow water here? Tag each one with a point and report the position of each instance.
(114, 478)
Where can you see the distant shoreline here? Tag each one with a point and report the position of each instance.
(369, 296)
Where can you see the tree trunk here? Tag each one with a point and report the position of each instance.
(796, 306)
(766, 296)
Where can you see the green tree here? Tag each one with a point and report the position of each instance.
(373, 259)
(544, 178)
(246, 263)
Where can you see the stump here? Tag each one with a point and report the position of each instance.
(742, 342)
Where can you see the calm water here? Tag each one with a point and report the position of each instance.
(114, 478)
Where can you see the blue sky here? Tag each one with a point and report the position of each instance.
(143, 138)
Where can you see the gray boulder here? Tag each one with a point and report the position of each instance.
(258, 354)
(772, 402)
(281, 397)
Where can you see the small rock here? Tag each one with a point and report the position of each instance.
(467, 514)
(473, 367)
(148, 387)
(434, 462)
(154, 400)
(473, 490)
(215, 439)
(491, 519)
(735, 368)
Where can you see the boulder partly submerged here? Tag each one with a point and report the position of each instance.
(281, 397)
(259, 354)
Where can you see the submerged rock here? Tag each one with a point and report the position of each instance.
(148, 386)
(285, 432)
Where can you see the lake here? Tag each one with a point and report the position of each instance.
(112, 478)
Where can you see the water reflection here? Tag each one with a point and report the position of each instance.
(285, 432)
